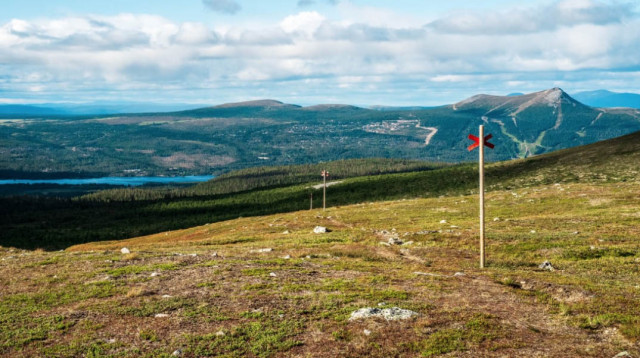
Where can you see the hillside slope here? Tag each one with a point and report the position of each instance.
(125, 213)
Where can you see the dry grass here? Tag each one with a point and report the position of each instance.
(93, 301)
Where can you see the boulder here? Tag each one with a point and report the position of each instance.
(389, 314)
(320, 230)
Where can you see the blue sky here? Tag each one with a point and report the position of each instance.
(402, 52)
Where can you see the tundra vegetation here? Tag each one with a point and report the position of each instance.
(267, 286)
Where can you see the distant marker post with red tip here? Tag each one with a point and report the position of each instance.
(477, 144)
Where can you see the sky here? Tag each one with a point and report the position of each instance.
(378, 52)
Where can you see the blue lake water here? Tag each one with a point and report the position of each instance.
(125, 181)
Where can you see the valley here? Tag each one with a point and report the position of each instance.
(218, 139)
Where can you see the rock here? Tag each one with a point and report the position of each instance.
(125, 250)
(214, 254)
(220, 333)
(496, 219)
(193, 255)
(533, 231)
(443, 221)
(154, 274)
(622, 354)
(268, 249)
(110, 340)
(366, 332)
(389, 314)
(395, 241)
(382, 304)
(287, 257)
(320, 230)
(177, 353)
(161, 315)
(272, 274)
(408, 243)
(459, 274)
(546, 266)
(426, 274)
(286, 232)
(166, 296)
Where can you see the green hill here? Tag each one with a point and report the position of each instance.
(58, 223)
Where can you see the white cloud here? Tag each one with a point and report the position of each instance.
(309, 53)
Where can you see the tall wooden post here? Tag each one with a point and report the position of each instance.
(481, 192)
(311, 201)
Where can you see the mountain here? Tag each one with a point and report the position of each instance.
(85, 109)
(239, 135)
(604, 98)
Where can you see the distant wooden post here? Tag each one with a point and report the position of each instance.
(324, 174)
(311, 201)
(477, 143)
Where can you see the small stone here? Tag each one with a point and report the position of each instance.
(320, 230)
(268, 249)
(111, 340)
(154, 274)
(220, 333)
(286, 232)
(443, 221)
(533, 231)
(459, 274)
(395, 241)
(576, 232)
(125, 250)
(408, 243)
(166, 296)
(287, 257)
(161, 315)
(214, 254)
(272, 274)
(382, 304)
(367, 332)
(622, 354)
(546, 266)
(193, 255)
(496, 219)
(177, 353)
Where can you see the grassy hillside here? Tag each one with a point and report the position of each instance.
(269, 287)
(54, 224)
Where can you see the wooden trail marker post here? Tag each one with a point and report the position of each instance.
(324, 174)
(485, 141)
(311, 201)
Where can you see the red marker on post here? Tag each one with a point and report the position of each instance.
(476, 144)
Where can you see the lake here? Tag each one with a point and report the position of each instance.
(124, 181)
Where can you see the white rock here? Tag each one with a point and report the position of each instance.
(272, 274)
(166, 296)
(268, 249)
(533, 231)
(214, 254)
(286, 232)
(367, 332)
(320, 230)
(193, 255)
(125, 250)
(459, 274)
(111, 340)
(496, 219)
(161, 315)
(546, 266)
(177, 352)
(287, 257)
(622, 354)
(220, 333)
(443, 221)
(154, 274)
(389, 314)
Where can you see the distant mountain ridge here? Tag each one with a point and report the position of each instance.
(604, 98)
(268, 132)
